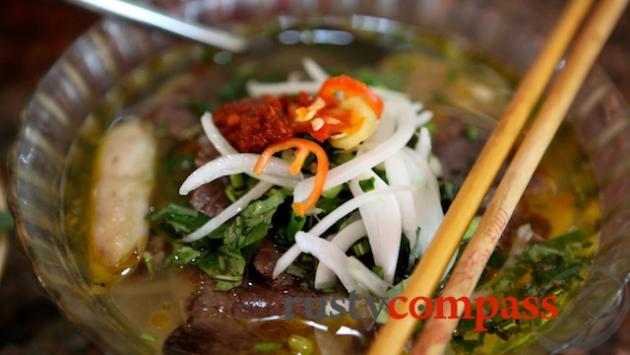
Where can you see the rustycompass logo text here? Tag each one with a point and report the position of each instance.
(479, 309)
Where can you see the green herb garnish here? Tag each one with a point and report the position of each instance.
(266, 347)
(296, 223)
(378, 271)
(148, 261)
(148, 337)
(471, 133)
(224, 253)
(367, 184)
(177, 220)
(361, 247)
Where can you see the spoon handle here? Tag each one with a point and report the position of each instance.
(154, 17)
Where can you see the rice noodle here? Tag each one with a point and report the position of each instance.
(343, 240)
(277, 171)
(314, 70)
(383, 224)
(351, 169)
(232, 210)
(333, 217)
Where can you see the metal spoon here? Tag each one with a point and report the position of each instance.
(151, 16)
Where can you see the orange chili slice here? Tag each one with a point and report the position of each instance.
(304, 148)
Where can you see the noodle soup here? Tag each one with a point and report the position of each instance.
(431, 101)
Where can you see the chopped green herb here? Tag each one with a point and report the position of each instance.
(471, 133)
(223, 254)
(176, 220)
(148, 337)
(367, 184)
(225, 267)
(266, 347)
(328, 204)
(382, 174)
(296, 270)
(237, 181)
(328, 289)
(361, 247)
(296, 223)
(253, 223)
(182, 255)
(432, 127)
(231, 194)
(333, 192)
(378, 271)
(6, 222)
(148, 261)
(552, 267)
(340, 157)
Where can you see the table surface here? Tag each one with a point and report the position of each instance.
(33, 34)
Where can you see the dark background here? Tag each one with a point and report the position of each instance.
(33, 33)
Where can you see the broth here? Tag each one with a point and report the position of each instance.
(467, 91)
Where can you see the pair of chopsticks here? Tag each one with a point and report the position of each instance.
(428, 273)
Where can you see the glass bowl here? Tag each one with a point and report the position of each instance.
(91, 69)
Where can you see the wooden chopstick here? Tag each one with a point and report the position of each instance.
(437, 332)
(428, 273)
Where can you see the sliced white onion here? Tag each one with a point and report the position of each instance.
(327, 253)
(383, 224)
(256, 89)
(424, 144)
(324, 276)
(215, 137)
(429, 214)
(365, 277)
(294, 76)
(436, 165)
(351, 169)
(333, 217)
(314, 70)
(232, 210)
(398, 175)
(276, 171)
(423, 118)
